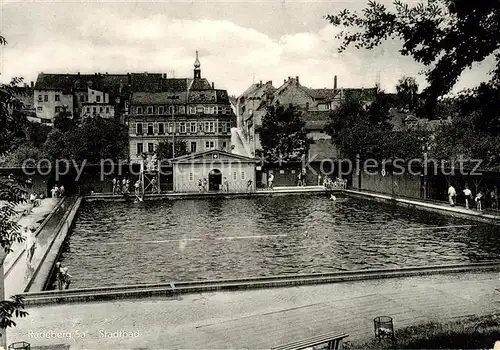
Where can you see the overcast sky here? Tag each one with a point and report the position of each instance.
(240, 42)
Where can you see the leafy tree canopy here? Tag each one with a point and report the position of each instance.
(283, 135)
(447, 36)
(164, 150)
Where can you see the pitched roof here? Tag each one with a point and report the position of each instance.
(151, 98)
(200, 84)
(316, 120)
(193, 156)
(322, 94)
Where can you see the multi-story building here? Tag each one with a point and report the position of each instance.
(188, 109)
(316, 105)
(97, 103)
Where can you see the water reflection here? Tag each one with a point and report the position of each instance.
(121, 243)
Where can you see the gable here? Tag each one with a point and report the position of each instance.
(213, 156)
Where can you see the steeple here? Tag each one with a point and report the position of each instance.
(197, 70)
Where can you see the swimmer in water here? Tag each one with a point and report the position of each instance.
(333, 198)
(306, 234)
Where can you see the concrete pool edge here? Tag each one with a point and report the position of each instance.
(173, 288)
(292, 190)
(44, 271)
(435, 208)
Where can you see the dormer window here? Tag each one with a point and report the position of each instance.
(139, 110)
(160, 110)
(150, 110)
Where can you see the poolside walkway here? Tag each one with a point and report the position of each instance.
(435, 206)
(258, 319)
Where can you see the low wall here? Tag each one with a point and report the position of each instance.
(47, 265)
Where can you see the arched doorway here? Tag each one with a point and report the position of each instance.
(214, 180)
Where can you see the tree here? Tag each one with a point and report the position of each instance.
(17, 157)
(96, 139)
(447, 36)
(64, 122)
(364, 130)
(283, 135)
(164, 149)
(10, 192)
(407, 92)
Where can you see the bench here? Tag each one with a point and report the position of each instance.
(334, 341)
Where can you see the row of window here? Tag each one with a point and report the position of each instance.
(45, 98)
(193, 146)
(235, 176)
(94, 109)
(181, 127)
(183, 110)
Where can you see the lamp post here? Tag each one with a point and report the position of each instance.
(172, 98)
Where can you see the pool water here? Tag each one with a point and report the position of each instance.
(117, 243)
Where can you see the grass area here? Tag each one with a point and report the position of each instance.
(466, 333)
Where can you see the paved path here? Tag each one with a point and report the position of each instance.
(22, 269)
(259, 319)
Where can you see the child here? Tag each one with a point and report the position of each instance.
(479, 200)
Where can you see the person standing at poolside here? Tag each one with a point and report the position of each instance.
(136, 186)
(468, 195)
(451, 195)
(299, 179)
(205, 183)
(249, 185)
(270, 181)
(30, 243)
(200, 185)
(114, 185)
(479, 200)
(225, 185)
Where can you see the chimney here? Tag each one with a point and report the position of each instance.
(25, 85)
(32, 84)
(129, 78)
(297, 78)
(335, 82)
(78, 73)
(270, 82)
(212, 85)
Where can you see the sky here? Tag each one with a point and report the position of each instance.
(239, 42)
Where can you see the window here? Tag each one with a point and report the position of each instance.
(228, 110)
(58, 98)
(58, 109)
(209, 110)
(150, 110)
(182, 110)
(150, 129)
(182, 127)
(209, 144)
(46, 98)
(81, 98)
(98, 98)
(160, 110)
(139, 110)
(138, 129)
(243, 175)
(192, 128)
(235, 176)
(224, 127)
(161, 128)
(192, 110)
(140, 148)
(39, 98)
(193, 147)
(220, 109)
(100, 109)
(224, 144)
(107, 109)
(88, 109)
(151, 147)
(191, 177)
(39, 109)
(86, 98)
(209, 127)
(94, 109)
(200, 109)
(170, 128)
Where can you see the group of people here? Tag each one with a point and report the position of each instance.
(57, 191)
(481, 199)
(121, 186)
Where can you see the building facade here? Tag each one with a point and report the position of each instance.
(315, 104)
(216, 171)
(190, 109)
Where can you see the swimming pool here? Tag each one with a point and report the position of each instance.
(116, 243)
